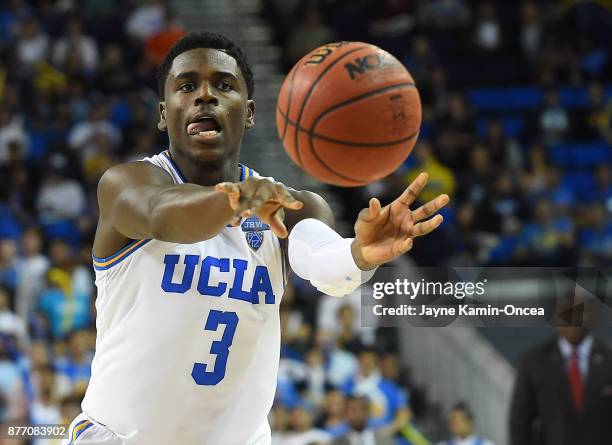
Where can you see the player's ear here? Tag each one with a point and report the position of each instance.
(161, 125)
(250, 118)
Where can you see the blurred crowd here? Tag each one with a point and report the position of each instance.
(77, 95)
(516, 119)
(517, 129)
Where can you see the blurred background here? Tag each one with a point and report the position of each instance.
(517, 108)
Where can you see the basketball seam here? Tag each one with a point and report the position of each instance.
(364, 144)
(357, 182)
(313, 134)
(343, 142)
(358, 98)
(346, 102)
(311, 90)
(331, 170)
(288, 105)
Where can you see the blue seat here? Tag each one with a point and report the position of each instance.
(591, 155)
(513, 126)
(559, 155)
(425, 130)
(506, 99)
(573, 97)
(578, 97)
(525, 98)
(595, 61)
(581, 182)
(580, 154)
(9, 226)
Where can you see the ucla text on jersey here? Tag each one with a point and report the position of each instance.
(260, 283)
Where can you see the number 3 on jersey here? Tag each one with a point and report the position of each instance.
(220, 348)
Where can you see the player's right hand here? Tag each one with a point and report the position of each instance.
(261, 197)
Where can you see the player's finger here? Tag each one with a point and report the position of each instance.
(414, 189)
(425, 227)
(256, 203)
(405, 245)
(276, 224)
(372, 212)
(426, 210)
(265, 209)
(229, 188)
(246, 198)
(274, 218)
(264, 200)
(374, 207)
(232, 191)
(286, 198)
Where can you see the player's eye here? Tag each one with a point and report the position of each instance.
(187, 87)
(225, 86)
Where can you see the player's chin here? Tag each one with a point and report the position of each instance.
(209, 150)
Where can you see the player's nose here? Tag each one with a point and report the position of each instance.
(205, 94)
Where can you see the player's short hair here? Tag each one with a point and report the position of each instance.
(203, 39)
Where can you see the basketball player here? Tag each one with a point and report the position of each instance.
(191, 256)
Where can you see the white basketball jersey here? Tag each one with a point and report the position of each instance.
(188, 339)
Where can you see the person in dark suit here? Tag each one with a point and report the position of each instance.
(563, 391)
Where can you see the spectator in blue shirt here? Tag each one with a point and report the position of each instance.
(548, 238)
(65, 307)
(389, 405)
(461, 428)
(333, 416)
(76, 364)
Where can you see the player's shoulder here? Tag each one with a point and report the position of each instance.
(309, 196)
(315, 206)
(136, 173)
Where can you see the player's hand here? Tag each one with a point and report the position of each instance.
(382, 234)
(262, 197)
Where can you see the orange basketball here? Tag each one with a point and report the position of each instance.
(348, 113)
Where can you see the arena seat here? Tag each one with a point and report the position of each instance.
(580, 154)
(520, 98)
(513, 126)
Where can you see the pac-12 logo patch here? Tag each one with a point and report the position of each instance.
(253, 230)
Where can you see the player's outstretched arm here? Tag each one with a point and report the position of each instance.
(336, 265)
(140, 201)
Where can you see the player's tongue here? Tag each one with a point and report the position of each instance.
(202, 126)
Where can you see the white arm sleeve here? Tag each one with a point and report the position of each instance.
(318, 254)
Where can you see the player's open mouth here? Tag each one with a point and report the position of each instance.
(205, 128)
